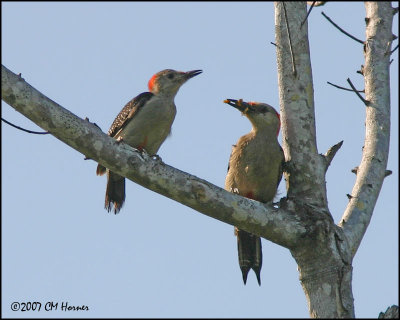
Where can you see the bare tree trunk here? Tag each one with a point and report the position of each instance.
(325, 254)
(322, 255)
(371, 171)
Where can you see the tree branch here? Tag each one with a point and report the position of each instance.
(357, 92)
(331, 153)
(372, 169)
(343, 88)
(278, 225)
(296, 96)
(341, 30)
(395, 48)
(22, 129)
(308, 13)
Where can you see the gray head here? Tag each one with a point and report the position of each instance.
(169, 81)
(262, 115)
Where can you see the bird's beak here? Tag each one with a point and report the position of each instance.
(240, 105)
(193, 73)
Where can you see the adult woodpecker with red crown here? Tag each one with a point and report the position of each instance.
(254, 171)
(144, 123)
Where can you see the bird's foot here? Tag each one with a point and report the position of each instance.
(157, 158)
(276, 204)
(235, 190)
(142, 154)
(119, 140)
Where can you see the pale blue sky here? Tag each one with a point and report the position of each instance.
(158, 258)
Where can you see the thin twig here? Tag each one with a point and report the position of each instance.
(356, 91)
(341, 30)
(290, 40)
(22, 129)
(395, 48)
(343, 88)
(308, 13)
(273, 44)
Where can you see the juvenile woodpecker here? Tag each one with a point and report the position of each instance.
(254, 171)
(144, 123)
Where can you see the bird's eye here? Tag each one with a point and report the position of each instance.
(170, 76)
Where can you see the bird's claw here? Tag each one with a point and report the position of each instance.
(276, 204)
(119, 140)
(142, 153)
(157, 158)
(235, 190)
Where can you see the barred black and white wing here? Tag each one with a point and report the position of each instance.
(128, 112)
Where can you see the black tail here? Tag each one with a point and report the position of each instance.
(115, 192)
(250, 253)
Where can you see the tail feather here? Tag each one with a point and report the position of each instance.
(250, 253)
(257, 263)
(115, 192)
(245, 271)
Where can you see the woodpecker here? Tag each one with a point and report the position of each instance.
(254, 171)
(144, 123)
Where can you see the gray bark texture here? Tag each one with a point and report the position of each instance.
(324, 256)
(390, 313)
(371, 171)
(302, 221)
